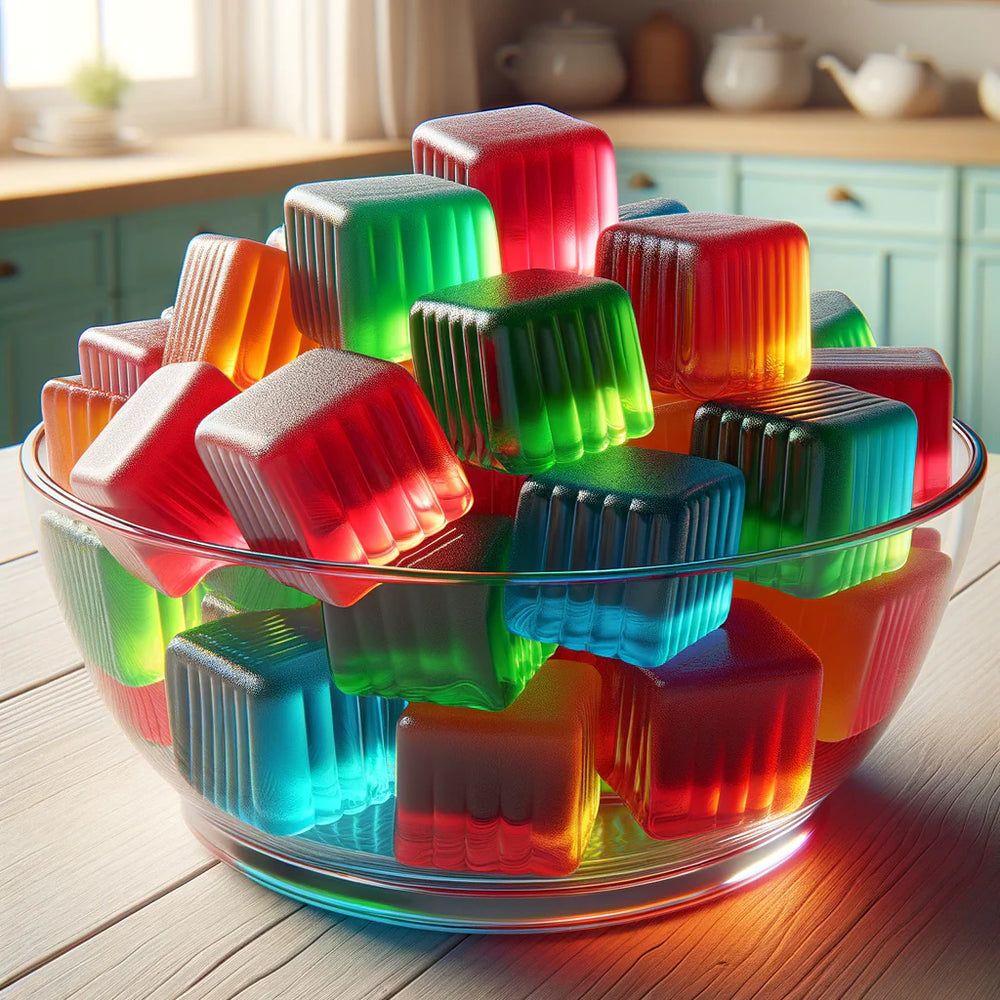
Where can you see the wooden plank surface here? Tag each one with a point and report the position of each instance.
(16, 537)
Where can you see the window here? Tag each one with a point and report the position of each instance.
(179, 55)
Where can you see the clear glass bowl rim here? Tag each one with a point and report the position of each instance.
(38, 478)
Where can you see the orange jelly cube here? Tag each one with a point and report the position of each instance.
(673, 419)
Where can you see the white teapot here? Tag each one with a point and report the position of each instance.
(889, 85)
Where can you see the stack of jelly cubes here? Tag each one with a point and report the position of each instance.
(485, 368)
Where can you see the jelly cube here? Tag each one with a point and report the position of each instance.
(623, 508)
(720, 735)
(871, 638)
(120, 358)
(916, 376)
(444, 644)
(234, 309)
(360, 251)
(276, 238)
(837, 322)
(673, 419)
(73, 415)
(260, 730)
(550, 178)
(141, 710)
(143, 467)
(514, 792)
(493, 491)
(721, 301)
(650, 208)
(335, 456)
(121, 625)
(820, 460)
(531, 368)
(249, 588)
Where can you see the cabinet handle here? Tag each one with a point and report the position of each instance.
(838, 193)
(641, 181)
(8, 269)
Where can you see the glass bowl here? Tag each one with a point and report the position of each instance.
(348, 865)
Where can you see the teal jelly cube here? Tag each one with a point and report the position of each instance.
(446, 644)
(820, 460)
(649, 208)
(531, 368)
(837, 322)
(623, 508)
(361, 250)
(260, 730)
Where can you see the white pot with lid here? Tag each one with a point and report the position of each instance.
(757, 69)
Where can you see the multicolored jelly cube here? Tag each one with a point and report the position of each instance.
(871, 639)
(361, 250)
(673, 419)
(443, 644)
(493, 491)
(820, 460)
(622, 509)
(335, 456)
(260, 730)
(650, 208)
(73, 415)
(531, 368)
(837, 322)
(550, 178)
(513, 792)
(719, 735)
(234, 309)
(143, 468)
(139, 710)
(721, 301)
(916, 376)
(118, 359)
(121, 626)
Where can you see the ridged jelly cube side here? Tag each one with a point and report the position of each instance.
(837, 322)
(120, 625)
(627, 507)
(138, 710)
(234, 309)
(120, 358)
(531, 368)
(720, 735)
(916, 376)
(721, 301)
(335, 456)
(820, 460)
(73, 415)
(493, 491)
(550, 178)
(514, 792)
(444, 644)
(259, 729)
(360, 251)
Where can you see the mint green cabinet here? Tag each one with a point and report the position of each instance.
(703, 182)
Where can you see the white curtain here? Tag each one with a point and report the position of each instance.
(357, 69)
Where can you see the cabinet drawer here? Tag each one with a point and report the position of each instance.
(58, 261)
(703, 183)
(851, 197)
(981, 206)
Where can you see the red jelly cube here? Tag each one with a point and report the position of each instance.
(514, 792)
(721, 734)
(335, 456)
(120, 358)
(721, 301)
(916, 376)
(143, 467)
(141, 710)
(493, 491)
(549, 177)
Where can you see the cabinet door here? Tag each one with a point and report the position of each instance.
(979, 336)
(704, 183)
(906, 289)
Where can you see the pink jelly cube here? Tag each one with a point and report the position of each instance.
(721, 301)
(721, 734)
(916, 376)
(549, 177)
(120, 358)
(143, 468)
(335, 456)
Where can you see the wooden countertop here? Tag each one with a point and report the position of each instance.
(105, 894)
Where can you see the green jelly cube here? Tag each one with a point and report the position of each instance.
(532, 368)
(446, 643)
(249, 588)
(837, 322)
(820, 460)
(361, 250)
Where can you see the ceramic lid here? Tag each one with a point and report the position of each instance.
(756, 36)
(569, 29)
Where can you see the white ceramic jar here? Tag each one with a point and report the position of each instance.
(989, 94)
(756, 69)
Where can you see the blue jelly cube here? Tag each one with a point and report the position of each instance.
(260, 730)
(650, 207)
(623, 508)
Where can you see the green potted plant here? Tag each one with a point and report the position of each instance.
(99, 86)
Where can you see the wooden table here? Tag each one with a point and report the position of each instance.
(106, 895)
